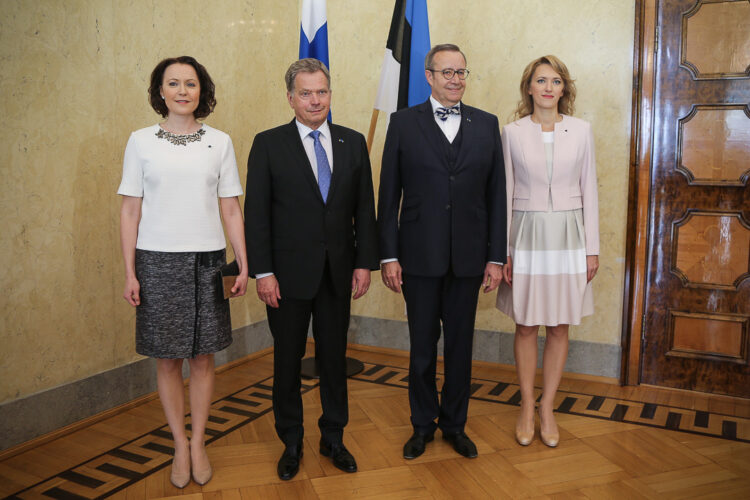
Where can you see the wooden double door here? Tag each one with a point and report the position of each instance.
(687, 321)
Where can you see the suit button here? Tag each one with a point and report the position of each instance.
(448, 207)
(452, 177)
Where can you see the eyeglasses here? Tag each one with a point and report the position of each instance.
(307, 94)
(449, 72)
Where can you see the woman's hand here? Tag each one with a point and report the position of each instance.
(240, 285)
(232, 215)
(130, 216)
(132, 291)
(508, 271)
(592, 265)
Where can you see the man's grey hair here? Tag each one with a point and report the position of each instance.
(444, 47)
(308, 65)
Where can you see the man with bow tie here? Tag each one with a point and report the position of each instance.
(443, 166)
(312, 241)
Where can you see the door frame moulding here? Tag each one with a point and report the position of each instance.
(639, 199)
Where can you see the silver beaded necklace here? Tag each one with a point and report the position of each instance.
(180, 139)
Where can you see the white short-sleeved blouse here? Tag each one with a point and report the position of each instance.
(180, 185)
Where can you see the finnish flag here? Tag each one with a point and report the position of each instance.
(313, 37)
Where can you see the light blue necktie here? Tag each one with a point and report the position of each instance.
(324, 169)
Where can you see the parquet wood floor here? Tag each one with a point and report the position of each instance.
(616, 442)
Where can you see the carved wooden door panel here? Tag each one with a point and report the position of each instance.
(696, 322)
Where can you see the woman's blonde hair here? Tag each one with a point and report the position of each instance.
(566, 103)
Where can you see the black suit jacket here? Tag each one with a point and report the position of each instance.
(290, 231)
(449, 216)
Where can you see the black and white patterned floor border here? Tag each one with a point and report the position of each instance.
(133, 461)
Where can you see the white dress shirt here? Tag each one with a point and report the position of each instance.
(309, 144)
(450, 125)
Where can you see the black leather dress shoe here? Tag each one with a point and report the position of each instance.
(289, 462)
(461, 443)
(340, 456)
(414, 447)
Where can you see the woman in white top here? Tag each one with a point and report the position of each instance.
(176, 177)
(553, 243)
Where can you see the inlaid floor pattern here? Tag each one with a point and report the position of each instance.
(616, 442)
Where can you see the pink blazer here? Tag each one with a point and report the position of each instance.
(573, 172)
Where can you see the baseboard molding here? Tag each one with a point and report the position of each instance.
(584, 358)
(47, 414)
(55, 410)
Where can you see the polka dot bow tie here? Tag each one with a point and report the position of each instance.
(443, 113)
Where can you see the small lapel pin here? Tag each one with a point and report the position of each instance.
(341, 140)
(468, 120)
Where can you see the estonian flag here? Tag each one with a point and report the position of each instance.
(402, 80)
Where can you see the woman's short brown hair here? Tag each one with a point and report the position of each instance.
(566, 104)
(207, 100)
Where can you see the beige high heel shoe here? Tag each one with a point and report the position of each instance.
(179, 479)
(548, 438)
(524, 438)
(203, 476)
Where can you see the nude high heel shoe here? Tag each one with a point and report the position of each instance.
(548, 438)
(203, 476)
(179, 478)
(524, 437)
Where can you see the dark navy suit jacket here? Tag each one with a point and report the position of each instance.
(433, 216)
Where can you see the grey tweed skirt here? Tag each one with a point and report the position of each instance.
(183, 312)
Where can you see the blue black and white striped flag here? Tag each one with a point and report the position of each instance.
(402, 79)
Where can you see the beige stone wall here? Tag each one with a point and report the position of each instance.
(595, 40)
(73, 86)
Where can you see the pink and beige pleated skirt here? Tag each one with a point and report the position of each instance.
(549, 270)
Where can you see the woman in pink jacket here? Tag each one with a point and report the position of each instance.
(553, 243)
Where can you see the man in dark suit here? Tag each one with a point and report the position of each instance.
(443, 164)
(312, 241)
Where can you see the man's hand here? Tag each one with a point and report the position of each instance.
(360, 282)
(268, 290)
(493, 275)
(391, 274)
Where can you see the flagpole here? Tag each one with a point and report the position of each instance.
(371, 133)
(313, 42)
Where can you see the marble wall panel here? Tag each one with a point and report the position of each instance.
(74, 82)
(59, 237)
